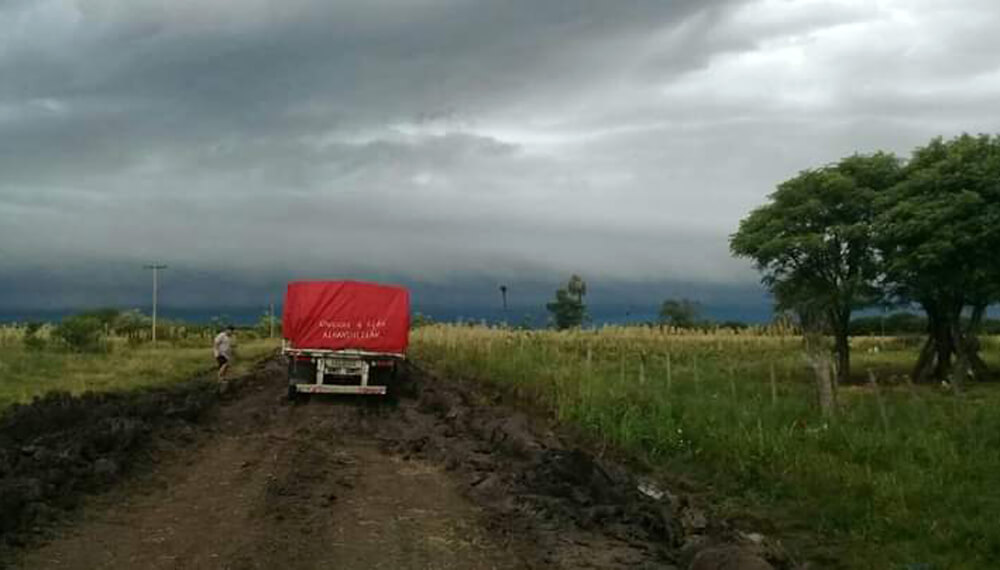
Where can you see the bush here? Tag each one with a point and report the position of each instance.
(263, 326)
(107, 316)
(80, 333)
(420, 320)
(132, 325)
(32, 341)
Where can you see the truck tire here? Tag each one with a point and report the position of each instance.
(394, 384)
(299, 371)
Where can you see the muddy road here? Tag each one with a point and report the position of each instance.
(441, 477)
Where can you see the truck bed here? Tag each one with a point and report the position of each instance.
(346, 315)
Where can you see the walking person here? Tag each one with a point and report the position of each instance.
(222, 347)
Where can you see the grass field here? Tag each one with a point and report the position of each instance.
(25, 374)
(904, 477)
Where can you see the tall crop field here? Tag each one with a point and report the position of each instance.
(903, 477)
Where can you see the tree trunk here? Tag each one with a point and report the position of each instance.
(968, 345)
(923, 371)
(947, 339)
(818, 357)
(980, 371)
(935, 359)
(962, 369)
(840, 325)
(924, 362)
(944, 347)
(842, 347)
(825, 391)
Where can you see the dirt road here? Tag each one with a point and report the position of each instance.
(434, 480)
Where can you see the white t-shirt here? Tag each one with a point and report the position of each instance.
(223, 345)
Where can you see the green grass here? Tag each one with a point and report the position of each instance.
(25, 374)
(918, 487)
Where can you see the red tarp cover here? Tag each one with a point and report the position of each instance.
(336, 315)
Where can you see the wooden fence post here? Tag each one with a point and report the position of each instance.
(590, 373)
(621, 371)
(878, 398)
(670, 379)
(697, 378)
(822, 367)
(732, 380)
(774, 387)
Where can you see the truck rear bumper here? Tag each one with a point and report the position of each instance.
(340, 372)
(336, 389)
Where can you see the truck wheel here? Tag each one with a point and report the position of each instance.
(392, 385)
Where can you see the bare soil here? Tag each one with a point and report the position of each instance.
(441, 477)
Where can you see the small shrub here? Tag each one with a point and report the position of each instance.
(420, 320)
(80, 333)
(132, 325)
(32, 341)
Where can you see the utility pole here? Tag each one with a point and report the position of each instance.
(156, 268)
(270, 322)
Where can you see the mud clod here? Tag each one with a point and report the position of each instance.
(60, 447)
(573, 475)
(728, 558)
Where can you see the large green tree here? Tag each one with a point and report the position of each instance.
(682, 313)
(939, 238)
(577, 287)
(813, 243)
(568, 310)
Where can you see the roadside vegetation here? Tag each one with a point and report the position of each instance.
(84, 354)
(901, 476)
(885, 449)
(878, 230)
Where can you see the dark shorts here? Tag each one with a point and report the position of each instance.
(222, 360)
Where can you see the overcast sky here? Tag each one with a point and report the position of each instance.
(444, 141)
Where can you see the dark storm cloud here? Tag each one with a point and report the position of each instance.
(135, 78)
(442, 140)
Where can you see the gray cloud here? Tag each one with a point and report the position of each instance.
(448, 140)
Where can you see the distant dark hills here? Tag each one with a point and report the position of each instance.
(469, 299)
(528, 315)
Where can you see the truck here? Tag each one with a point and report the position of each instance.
(344, 337)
